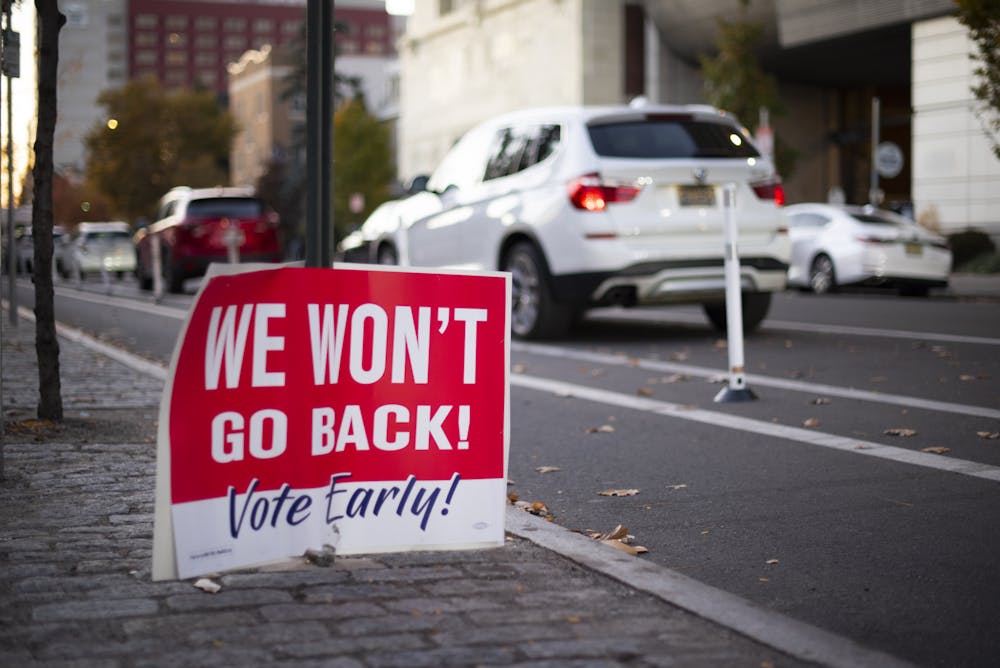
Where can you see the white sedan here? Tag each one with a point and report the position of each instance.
(836, 246)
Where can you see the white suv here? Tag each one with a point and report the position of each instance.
(592, 207)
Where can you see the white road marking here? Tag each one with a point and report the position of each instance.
(717, 419)
(756, 379)
(786, 325)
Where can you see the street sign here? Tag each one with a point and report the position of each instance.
(888, 160)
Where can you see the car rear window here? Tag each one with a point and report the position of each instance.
(669, 138)
(225, 207)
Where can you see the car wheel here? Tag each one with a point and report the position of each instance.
(755, 308)
(535, 314)
(822, 277)
(387, 255)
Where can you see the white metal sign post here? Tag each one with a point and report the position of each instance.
(736, 390)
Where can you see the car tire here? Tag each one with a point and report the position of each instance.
(755, 308)
(386, 255)
(535, 314)
(822, 275)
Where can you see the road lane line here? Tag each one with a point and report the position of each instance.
(756, 379)
(717, 419)
(787, 325)
(123, 302)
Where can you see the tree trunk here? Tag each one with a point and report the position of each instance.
(50, 22)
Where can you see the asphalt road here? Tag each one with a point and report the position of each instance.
(860, 492)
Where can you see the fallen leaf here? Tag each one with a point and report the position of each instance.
(644, 392)
(966, 377)
(518, 368)
(679, 356)
(878, 379)
(603, 429)
(718, 378)
(762, 580)
(574, 619)
(936, 450)
(675, 378)
(619, 492)
(680, 486)
(990, 435)
(548, 469)
(720, 344)
(811, 422)
(771, 562)
(512, 497)
(207, 585)
(820, 401)
(625, 547)
(899, 431)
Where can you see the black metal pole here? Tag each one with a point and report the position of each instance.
(319, 133)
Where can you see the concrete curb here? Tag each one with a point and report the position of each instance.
(773, 629)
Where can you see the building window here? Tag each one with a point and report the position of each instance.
(177, 39)
(176, 58)
(235, 42)
(175, 22)
(176, 77)
(235, 24)
(146, 39)
(146, 20)
(208, 77)
(205, 41)
(144, 57)
(205, 23)
(375, 31)
(291, 27)
(204, 59)
(263, 25)
(348, 46)
(115, 20)
(374, 48)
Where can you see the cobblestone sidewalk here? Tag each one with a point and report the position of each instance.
(76, 525)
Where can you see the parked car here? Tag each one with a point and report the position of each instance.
(24, 247)
(835, 246)
(195, 228)
(95, 247)
(590, 207)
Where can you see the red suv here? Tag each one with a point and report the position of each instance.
(197, 226)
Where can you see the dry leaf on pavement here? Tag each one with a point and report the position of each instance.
(678, 486)
(820, 401)
(936, 450)
(899, 431)
(989, 435)
(811, 422)
(619, 492)
(548, 469)
(603, 429)
(644, 392)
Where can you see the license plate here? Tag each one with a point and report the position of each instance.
(696, 195)
(914, 249)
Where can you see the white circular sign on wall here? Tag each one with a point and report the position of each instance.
(888, 159)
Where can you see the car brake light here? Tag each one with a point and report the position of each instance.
(591, 193)
(770, 189)
(874, 240)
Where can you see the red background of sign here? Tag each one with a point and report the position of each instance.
(196, 476)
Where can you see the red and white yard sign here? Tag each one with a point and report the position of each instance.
(361, 408)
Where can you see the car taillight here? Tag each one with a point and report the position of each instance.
(875, 240)
(770, 189)
(592, 193)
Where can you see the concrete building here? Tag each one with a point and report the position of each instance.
(93, 57)
(465, 60)
(264, 117)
